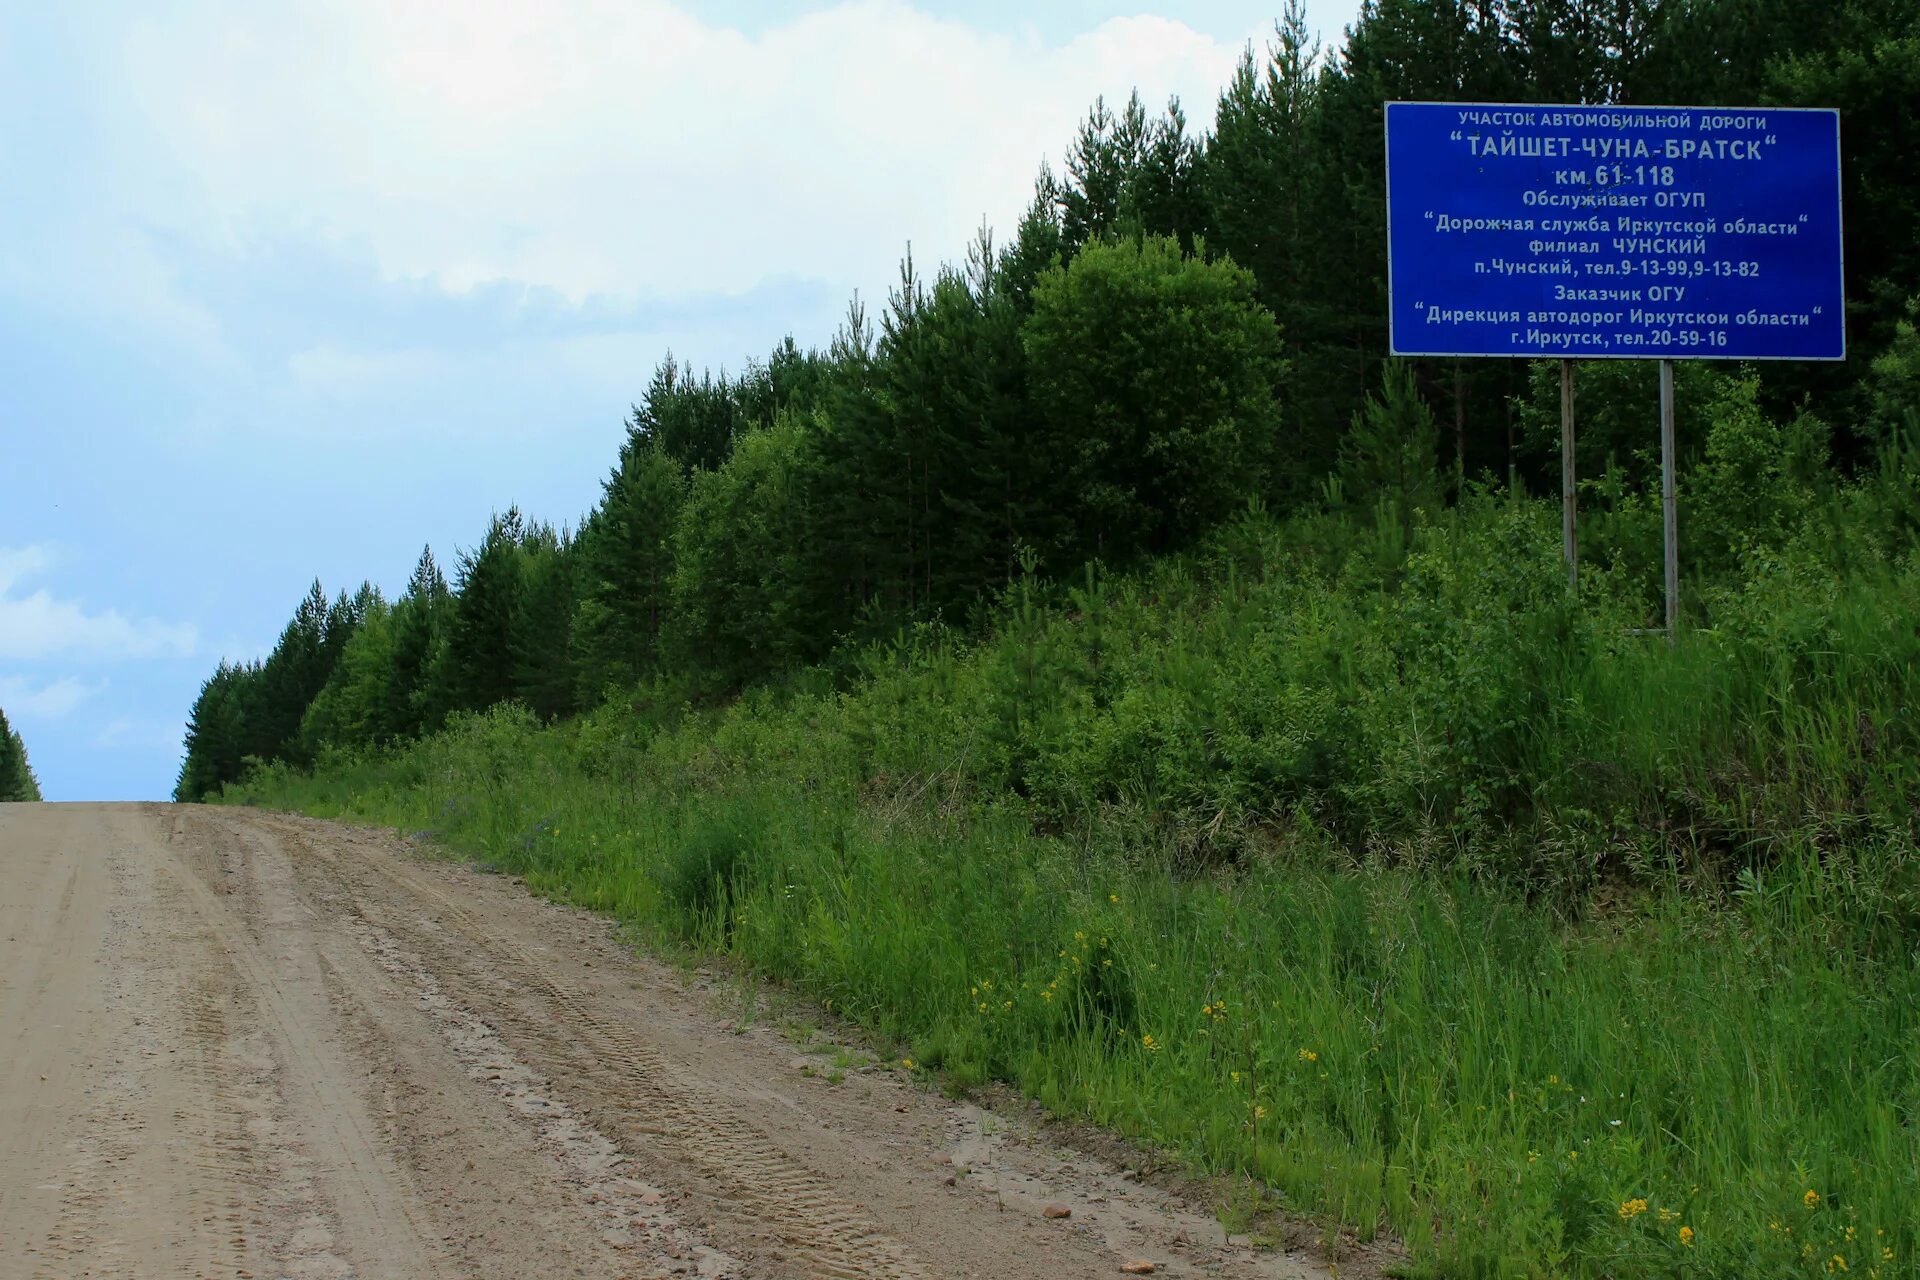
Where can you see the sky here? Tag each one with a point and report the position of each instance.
(289, 291)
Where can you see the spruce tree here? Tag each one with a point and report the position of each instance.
(480, 645)
(416, 696)
(626, 555)
(16, 775)
(540, 641)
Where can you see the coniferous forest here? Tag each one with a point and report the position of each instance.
(16, 775)
(1101, 668)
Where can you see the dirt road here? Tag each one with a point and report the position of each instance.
(240, 1044)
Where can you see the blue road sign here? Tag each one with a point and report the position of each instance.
(1645, 232)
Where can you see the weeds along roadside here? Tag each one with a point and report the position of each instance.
(1390, 875)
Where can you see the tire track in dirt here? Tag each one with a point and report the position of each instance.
(826, 1235)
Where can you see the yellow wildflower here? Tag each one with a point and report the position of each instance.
(1308, 1055)
(1148, 1043)
(1686, 1236)
(1259, 1112)
(1631, 1209)
(1114, 898)
(1835, 1264)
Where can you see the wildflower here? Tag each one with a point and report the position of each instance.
(1532, 1156)
(1631, 1209)
(1114, 898)
(973, 991)
(1259, 1112)
(1308, 1055)
(1836, 1263)
(1148, 1043)
(1553, 1079)
(1686, 1236)
(1811, 1199)
(1006, 1004)
(907, 1063)
(1079, 936)
(1668, 1215)
(1234, 1076)
(1047, 994)
(983, 1006)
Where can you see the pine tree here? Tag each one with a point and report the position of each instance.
(1388, 460)
(416, 696)
(540, 641)
(217, 738)
(16, 775)
(289, 680)
(480, 644)
(1266, 187)
(626, 555)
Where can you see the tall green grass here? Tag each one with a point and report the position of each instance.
(1390, 875)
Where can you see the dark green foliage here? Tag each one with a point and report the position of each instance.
(540, 644)
(1388, 461)
(703, 869)
(16, 775)
(417, 696)
(739, 609)
(216, 740)
(625, 556)
(1153, 374)
(487, 605)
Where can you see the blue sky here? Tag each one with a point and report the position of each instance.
(289, 291)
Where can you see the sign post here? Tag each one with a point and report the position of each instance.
(1569, 541)
(1604, 232)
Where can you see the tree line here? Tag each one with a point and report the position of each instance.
(16, 775)
(1182, 322)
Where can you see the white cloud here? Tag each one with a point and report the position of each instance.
(23, 701)
(124, 733)
(625, 148)
(17, 563)
(38, 625)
